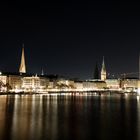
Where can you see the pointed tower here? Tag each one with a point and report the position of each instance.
(42, 72)
(22, 68)
(103, 71)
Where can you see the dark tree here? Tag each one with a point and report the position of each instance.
(96, 72)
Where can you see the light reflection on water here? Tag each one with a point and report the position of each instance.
(61, 117)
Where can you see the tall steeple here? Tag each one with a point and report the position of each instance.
(103, 71)
(22, 68)
(42, 72)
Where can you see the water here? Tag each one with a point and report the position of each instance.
(38, 117)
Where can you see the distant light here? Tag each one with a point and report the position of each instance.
(138, 98)
(138, 91)
(0, 73)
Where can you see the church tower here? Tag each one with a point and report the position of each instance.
(103, 71)
(42, 72)
(22, 68)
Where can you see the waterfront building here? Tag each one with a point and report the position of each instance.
(3, 82)
(94, 85)
(50, 85)
(78, 85)
(103, 71)
(3, 79)
(22, 68)
(64, 83)
(10, 82)
(113, 83)
(130, 84)
(15, 82)
(34, 84)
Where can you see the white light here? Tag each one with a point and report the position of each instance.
(138, 91)
(138, 98)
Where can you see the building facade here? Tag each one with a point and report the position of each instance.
(34, 84)
(113, 84)
(130, 84)
(14, 82)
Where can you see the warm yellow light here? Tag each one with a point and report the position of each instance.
(138, 91)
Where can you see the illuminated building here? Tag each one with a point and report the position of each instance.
(3, 79)
(130, 84)
(34, 83)
(22, 68)
(3, 82)
(78, 84)
(51, 85)
(64, 83)
(103, 71)
(113, 83)
(15, 82)
(94, 85)
(10, 82)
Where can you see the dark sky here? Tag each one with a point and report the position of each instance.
(68, 37)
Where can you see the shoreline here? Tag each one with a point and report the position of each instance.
(72, 93)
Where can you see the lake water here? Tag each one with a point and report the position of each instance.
(61, 117)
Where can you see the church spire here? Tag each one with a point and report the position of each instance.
(42, 72)
(103, 71)
(22, 68)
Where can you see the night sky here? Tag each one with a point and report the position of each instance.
(68, 37)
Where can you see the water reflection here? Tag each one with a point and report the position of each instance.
(79, 117)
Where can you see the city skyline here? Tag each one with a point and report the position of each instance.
(70, 70)
(98, 70)
(68, 38)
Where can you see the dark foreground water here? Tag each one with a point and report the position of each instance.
(38, 117)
